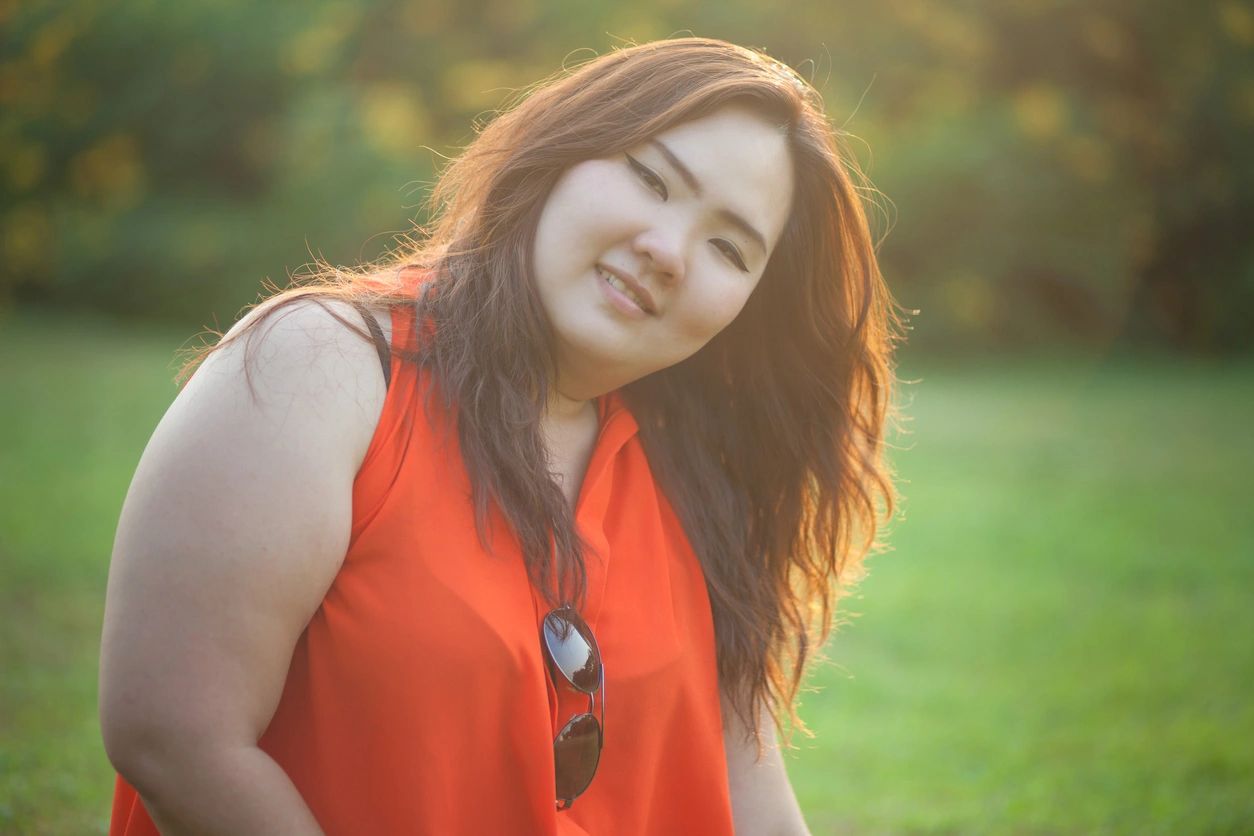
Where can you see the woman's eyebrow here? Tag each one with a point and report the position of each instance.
(688, 177)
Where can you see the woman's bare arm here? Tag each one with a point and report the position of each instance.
(763, 802)
(235, 524)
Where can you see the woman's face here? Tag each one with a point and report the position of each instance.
(641, 258)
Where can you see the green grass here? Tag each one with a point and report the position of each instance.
(1060, 640)
(1063, 638)
(80, 398)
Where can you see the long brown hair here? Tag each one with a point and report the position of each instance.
(768, 441)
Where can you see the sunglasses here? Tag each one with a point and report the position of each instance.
(571, 650)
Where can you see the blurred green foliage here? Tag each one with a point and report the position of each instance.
(1051, 170)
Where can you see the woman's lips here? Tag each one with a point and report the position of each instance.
(620, 299)
(626, 286)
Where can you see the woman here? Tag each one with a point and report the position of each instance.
(539, 542)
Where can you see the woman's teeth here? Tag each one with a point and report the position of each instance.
(617, 283)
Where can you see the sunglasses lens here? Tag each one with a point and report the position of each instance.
(572, 650)
(575, 754)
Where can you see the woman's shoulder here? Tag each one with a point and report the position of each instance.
(299, 358)
(314, 320)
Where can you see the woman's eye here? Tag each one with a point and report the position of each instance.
(648, 176)
(733, 255)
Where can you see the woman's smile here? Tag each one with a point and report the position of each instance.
(623, 296)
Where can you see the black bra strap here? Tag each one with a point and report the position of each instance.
(380, 344)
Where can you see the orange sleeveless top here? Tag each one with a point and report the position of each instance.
(418, 701)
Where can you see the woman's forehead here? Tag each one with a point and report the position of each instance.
(736, 158)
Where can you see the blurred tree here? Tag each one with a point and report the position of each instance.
(1154, 85)
(1057, 170)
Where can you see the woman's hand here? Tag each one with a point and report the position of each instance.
(235, 525)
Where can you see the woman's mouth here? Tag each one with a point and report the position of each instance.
(622, 295)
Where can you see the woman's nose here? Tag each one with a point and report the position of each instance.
(664, 251)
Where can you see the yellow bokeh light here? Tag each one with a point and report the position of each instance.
(394, 119)
(26, 237)
(111, 170)
(1040, 111)
(311, 49)
(477, 85)
(51, 41)
(1237, 19)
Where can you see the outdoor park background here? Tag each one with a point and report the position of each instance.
(1060, 638)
